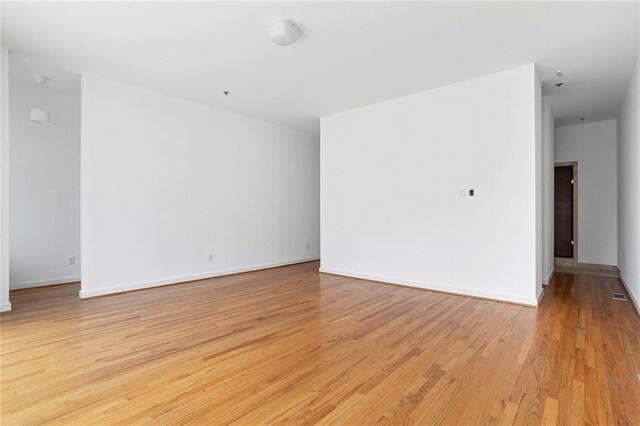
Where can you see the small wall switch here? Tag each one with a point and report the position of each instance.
(72, 260)
(472, 192)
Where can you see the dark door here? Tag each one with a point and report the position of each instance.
(563, 216)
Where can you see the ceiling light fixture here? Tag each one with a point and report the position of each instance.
(283, 33)
(40, 116)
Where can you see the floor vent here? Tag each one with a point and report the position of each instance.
(619, 296)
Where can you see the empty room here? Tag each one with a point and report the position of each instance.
(324, 212)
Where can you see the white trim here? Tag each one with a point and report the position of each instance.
(4, 181)
(633, 300)
(436, 287)
(41, 283)
(548, 279)
(540, 296)
(84, 294)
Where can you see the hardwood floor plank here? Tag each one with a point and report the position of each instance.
(550, 415)
(292, 346)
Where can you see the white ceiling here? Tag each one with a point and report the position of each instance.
(350, 53)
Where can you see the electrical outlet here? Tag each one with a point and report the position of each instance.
(72, 260)
(210, 257)
(307, 246)
(462, 192)
(620, 256)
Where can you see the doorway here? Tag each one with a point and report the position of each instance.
(44, 176)
(566, 214)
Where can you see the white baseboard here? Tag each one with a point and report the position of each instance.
(41, 283)
(6, 307)
(633, 299)
(84, 294)
(540, 296)
(548, 279)
(436, 287)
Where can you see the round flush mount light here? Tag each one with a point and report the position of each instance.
(283, 33)
(40, 116)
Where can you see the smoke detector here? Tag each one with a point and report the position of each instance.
(41, 79)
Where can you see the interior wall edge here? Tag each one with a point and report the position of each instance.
(5, 304)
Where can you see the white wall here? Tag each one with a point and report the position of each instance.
(165, 182)
(548, 156)
(629, 188)
(390, 179)
(5, 304)
(593, 146)
(44, 190)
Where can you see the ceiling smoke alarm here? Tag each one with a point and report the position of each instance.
(41, 79)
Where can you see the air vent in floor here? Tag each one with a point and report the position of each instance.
(619, 296)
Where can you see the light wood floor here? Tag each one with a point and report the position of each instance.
(290, 345)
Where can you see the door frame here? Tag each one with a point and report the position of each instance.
(563, 261)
